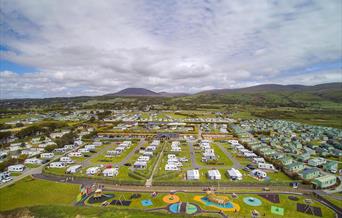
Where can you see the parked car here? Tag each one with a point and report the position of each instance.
(251, 166)
(6, 179)
(246, 169)
(266, 189)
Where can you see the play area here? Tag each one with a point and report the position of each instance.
(277, 210)
(210, 202)
(307, 208)
(171, 198)
(251, 201)
(146, 203)
(184, 208)
(274, 198)
(217, 201)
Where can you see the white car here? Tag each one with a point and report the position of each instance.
(7, 179)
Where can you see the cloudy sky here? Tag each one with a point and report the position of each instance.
(92, 47)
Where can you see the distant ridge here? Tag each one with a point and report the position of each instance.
(173, 94)
(321, 88)
(275, 88)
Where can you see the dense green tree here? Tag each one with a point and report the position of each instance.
(50, 148)
(5, 126)
(19, 125)
(4, 136)
(65, 139)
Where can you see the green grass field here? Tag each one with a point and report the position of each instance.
(30, 192)
(53, 211)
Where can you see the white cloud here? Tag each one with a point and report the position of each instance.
(95, 47)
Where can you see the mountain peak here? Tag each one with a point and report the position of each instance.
(135, 92)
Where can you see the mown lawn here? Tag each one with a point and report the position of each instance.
(30, 192)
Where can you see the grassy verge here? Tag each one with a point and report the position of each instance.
(53, 211)
(31, 192)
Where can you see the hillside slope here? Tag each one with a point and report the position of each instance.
(135, 92)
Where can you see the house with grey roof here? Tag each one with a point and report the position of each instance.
(309, 173)
(295, 167)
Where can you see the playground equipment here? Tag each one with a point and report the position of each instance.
(85, 192)
(277, 210)
(121, 201)
(251, 201)
(183, 208)
(211, 196)
(105, 204)
(98, 193)
(220, 202)
(255, 214)
(234, 196)
(308, 208)
(146, 202)
(171, 198)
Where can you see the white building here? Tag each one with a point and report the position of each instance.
(234, 142)
(60, 150)
(110, 172)
(74, 169)
(15, 146)
(93, 170)
(119, 150)
(208, 154)
(68, 147)
(57, 164)
(30, 152)
(155, 142)
(90, 147)
(67, 160)
(176, 149)
(214, 175)
(258, 173)
(16, 168)
(83, 150)
(259, 160)
(171, 167)
(151, 148)
(175, 162)
(192, 175)
(97, 143)
(33, 161)
(266, 166)
(234, 174)
(112, 153)
(47, 155)
(148, 153)
(140, 164)
(75, 154)
(143, 158)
